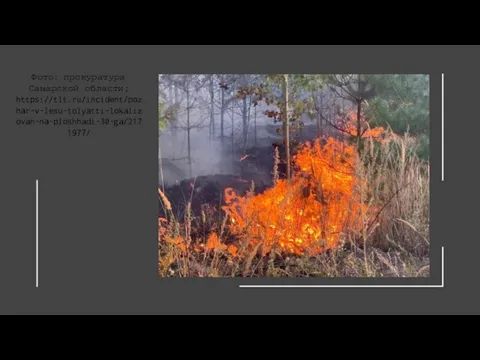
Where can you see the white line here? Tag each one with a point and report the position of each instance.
(443, 267)
(36, 272)
(443, 127)
(442, 285)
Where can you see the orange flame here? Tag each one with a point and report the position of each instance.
(213, 243)
(349, 125)
(303, 216)
(244, 157)
(307, 215)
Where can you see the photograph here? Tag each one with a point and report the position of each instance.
(294, 175)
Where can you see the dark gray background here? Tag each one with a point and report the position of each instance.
(98, 202)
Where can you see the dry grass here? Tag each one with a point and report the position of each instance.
(393, 240)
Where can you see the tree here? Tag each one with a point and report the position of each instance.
(223, 87)
(162, 121)
(249, 92)
(287, 95)
(211, 88)
(190, 84)
(227, 98)
(168, 102)
(188, 96)
(402, 103)
(358, 89)
(286, 126)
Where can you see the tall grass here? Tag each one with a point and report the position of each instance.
(391, 241)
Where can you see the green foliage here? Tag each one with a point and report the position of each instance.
(162, 123)
(401, 103)
(423, 147)
(166, 115)
(270, 91)
(308, 82)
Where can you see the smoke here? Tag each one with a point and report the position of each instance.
(207, 156)
(190, 99)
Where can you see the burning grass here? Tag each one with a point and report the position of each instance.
(306, 214)
(342, 214)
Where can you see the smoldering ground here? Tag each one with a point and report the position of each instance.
(216, 137)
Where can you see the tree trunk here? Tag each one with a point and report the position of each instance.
(318, 117)
(319, 126)
(359, 127)
(222, 113)
(233, 132)
(175, 111)
(212, 111)
(170, 93)
(249, 118)
(188, 134)
(286, 126)
(162, 180)
(255, 120)
(361, 89)
(244, 116)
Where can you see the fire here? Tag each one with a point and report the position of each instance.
(305, 215)
(244, 157)
(214, 243)
(349, 125)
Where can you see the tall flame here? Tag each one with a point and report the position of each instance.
(307, 214)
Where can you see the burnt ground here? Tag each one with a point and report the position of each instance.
(209, 190)
(205, 190)
(257, 166)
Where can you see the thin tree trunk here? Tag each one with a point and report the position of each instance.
(244, 115)
(161, 168)
(319, 119)
(212, 110)
(170, 93)
(233, 133)
(319, 127)
(175, 116)
(222, 113)
(249, 118)
(359, 127)
(286, 127)
(255, 120)
(359, 113)
(188, 133)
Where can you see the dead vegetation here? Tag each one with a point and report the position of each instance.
(343, 214)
